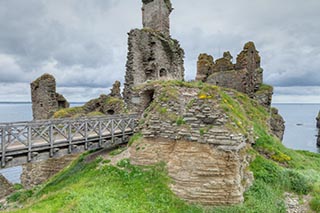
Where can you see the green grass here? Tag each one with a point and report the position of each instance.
(90, 187)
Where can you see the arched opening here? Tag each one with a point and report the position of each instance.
(147, 98)
(110, 112)
(163, 73)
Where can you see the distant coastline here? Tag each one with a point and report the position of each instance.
(25, 102)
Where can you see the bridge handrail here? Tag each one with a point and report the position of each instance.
(67, 120)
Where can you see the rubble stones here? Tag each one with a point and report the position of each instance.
(6, 187)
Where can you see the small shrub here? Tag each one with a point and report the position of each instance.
(106, 161)
(281, 157)
(163, 110)
(117, 151)
(315, 204)
(17, 186)
(124, 163)
(20, 196)
(180, 121)
(202, 131)
(298, 183)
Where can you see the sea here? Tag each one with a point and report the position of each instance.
(300, 133)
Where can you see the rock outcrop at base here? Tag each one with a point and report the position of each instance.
(6, 187)
(205, 148)
(34, 174)
(45, 100)
(277, 123)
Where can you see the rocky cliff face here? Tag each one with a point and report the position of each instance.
(277, 123)
(204, 145)
(318, 126)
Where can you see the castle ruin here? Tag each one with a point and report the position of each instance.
(45, 99)
(245, 75)
(155, 15)
(152, 53)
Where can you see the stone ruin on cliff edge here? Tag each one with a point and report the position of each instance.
(153, 54)
(45, 99)
(245, 76)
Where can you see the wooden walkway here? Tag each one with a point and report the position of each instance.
(23, 142)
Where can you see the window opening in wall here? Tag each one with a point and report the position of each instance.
(163, 73)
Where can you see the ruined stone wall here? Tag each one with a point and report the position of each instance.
(151, 56)
(234, 79)
(245, 75)
(45, 99)
(206, 160)
(36, 173)
(155, 15)
(5, 187)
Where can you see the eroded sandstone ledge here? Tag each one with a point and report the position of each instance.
(194, 130)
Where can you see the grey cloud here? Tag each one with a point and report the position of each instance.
(83, 42)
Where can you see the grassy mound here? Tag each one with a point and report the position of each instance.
(100, 187)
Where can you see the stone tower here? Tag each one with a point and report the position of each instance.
(45, 100)
(152, 53)
(155, 15)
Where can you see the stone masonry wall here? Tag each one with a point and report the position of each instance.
(151, 56)
(245, 75)
(155, 15)
(45, 99)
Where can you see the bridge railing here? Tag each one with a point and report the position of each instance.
(20, 138)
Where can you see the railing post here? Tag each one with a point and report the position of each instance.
(51, 139)
(123, 129)
(100, 133)
(29, 143)
(3, 147)
(69, 137)
(86, 135)
(112, 130)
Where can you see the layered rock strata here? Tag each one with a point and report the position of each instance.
(190, 131)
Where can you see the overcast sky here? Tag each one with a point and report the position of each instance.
(83, 43)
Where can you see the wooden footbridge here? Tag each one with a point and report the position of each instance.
(23, 142)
